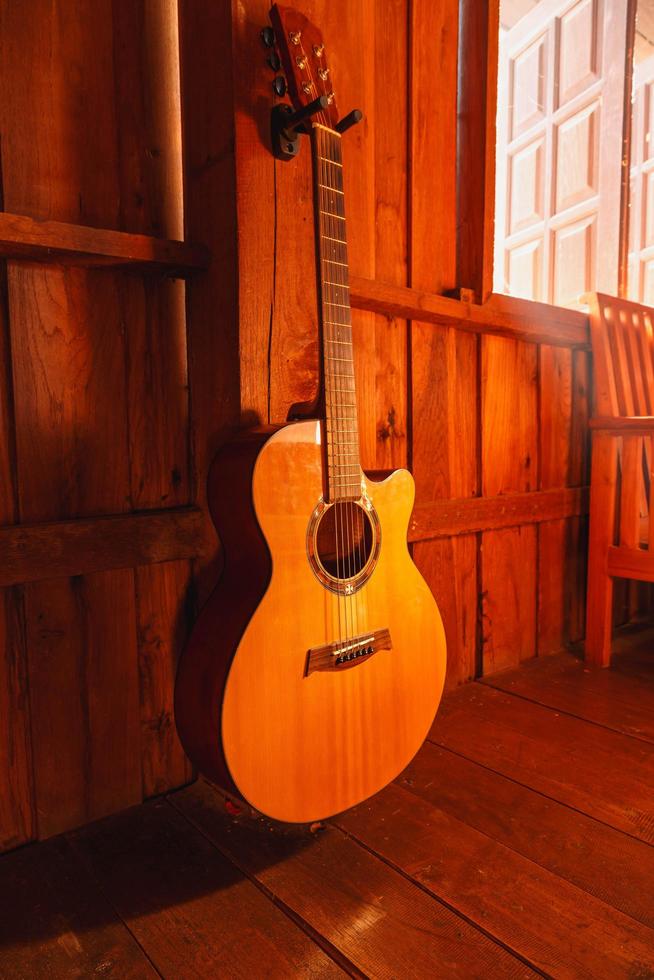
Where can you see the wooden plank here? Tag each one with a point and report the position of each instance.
(164, 605)
(22, 237)
(433, 125)
(69, 352)
(570, 844)
(330, 883)
(147, 37)
(476, 145)
(503, 316)
(207, 106)
(17, 823)
(474, 876)
(56, 922)
(631, 563)
(187, 906)
(391, 134)
(509, 460)
(449, 566)
(616, 701)
(441, 518)
(32, 552)
(602, 773)
(83, 676)
(555, 431)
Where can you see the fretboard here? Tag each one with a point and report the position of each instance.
(341, 430)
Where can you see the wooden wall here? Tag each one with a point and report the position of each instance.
(118, 381)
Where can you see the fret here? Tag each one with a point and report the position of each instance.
(344, 343)
(333, 262)
(331, 214)
(336, 323)
(330, 239)
(333, 162)
(345, 360)
(339, 285)
(334, 190)
(343, 306)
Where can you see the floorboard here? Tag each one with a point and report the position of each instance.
(605, 774)
(193, 911)
(619, 701)
(383, 923)
(54, 921)
(602, 861)
(517, 843)
(557, 927)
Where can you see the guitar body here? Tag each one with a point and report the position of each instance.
(268, 702)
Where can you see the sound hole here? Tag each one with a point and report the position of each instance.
(344, 539)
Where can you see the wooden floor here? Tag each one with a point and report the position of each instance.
(519, 842)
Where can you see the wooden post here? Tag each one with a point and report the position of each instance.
(602, 516)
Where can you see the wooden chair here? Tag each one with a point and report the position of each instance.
(621, 541)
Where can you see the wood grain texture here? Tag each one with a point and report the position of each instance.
(602, 773)
(509, 455)
(502, 316)
(164, 606)
(81, 643)
(17, 823)
(566, 842)
(332, 883)
(33, 552)
(195, 913)
(23, 237)
(474, 875)
(55, 922)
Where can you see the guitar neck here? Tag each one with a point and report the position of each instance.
(340, 407)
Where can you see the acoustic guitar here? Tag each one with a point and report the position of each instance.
(314, 672)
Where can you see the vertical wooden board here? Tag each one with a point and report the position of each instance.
(444, 411)
(292, 348)
(391, 226)
(163, 607)
(70, 399)
(84, 695)
(8, 500)
(555, 452)
(509, 424)
(476, 144)
(59, 147)
(255, 180)
(509, 597)
(579, 476)
(433, 115)
(209, 91)
(391, 141)
(16, 798)
(509, 454)
(365, 377)
(449, 566)
(391, 381)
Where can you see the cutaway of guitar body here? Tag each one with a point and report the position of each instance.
(297, 744)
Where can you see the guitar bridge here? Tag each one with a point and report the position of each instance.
(347, 653)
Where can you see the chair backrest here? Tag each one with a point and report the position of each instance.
(622, 335)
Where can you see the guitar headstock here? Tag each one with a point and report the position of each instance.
(303, 56)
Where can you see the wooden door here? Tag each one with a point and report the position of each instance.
(560, 144)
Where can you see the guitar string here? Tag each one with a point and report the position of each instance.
(334, 398)
(339, 251)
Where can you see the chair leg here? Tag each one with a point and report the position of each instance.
(599, 616)
(599, 599)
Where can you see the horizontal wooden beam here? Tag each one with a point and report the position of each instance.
(631, 563)
(31, 552)
(55, 241)
(505, 316)
(445, 518)
(642, 425)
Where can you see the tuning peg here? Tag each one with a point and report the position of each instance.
(274, 61)
(279, 86)
(268, 36)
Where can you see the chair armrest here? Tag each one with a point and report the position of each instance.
(623, 424)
